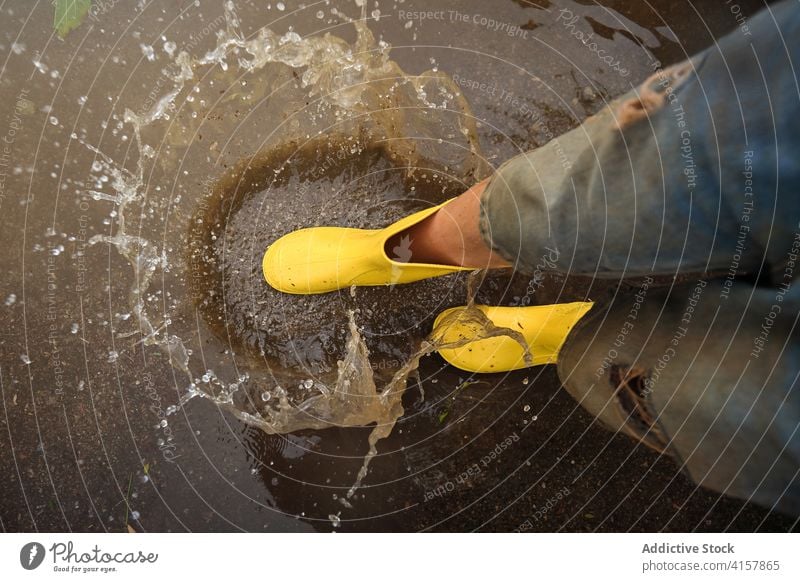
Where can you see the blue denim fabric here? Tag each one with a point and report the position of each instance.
(666, 193)
(695, 171)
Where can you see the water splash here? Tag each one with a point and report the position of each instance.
(424, 124)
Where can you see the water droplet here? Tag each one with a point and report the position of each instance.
(11, 300)
(280, 6)
(25, 359)
(112, 356)
(526, 408)
(163, 423)
(81, 385)
(53, 120)
(265, 396)
(320, 15)
(307, 384)
(135, 515)
(148, 52)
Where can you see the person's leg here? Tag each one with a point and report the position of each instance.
(451, 236)
(694, 376)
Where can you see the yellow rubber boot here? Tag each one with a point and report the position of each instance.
(543, 327)
(323, 259)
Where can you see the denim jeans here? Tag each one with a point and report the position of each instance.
(686, 191)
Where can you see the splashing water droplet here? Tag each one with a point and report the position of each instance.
(148, 52)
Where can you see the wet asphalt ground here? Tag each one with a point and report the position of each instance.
(82, 450)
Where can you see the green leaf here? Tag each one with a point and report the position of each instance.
(69, 14)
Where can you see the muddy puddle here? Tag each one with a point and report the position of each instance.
(151, 379)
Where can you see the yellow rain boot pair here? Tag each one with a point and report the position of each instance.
(323, 259)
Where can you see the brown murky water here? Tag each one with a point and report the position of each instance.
(149, 377)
